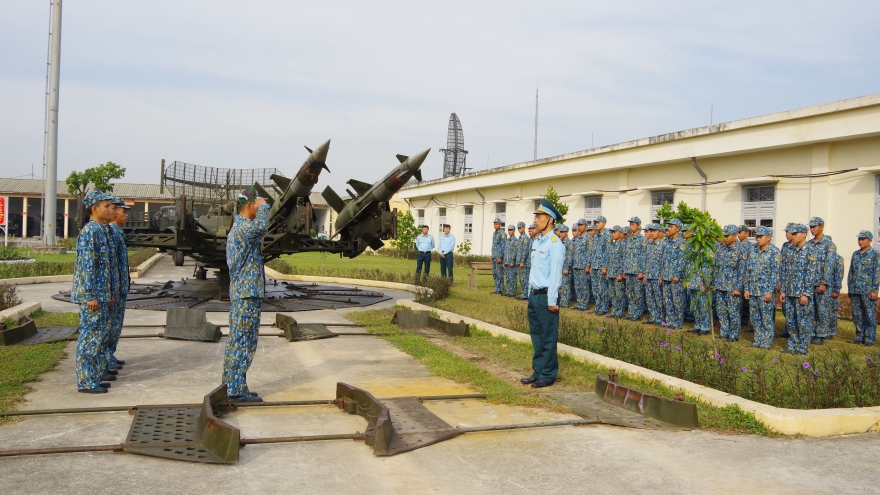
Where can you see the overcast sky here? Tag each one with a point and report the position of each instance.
(248, 84)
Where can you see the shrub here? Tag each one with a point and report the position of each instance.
(38, 269)
(8, 296)
(137, 256)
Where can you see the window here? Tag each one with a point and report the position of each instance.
(537, 204)
(592, 207)
(501, 212)
(420, 217)
(468, 222)
(441, 213)
(759, 207)
(658, 198)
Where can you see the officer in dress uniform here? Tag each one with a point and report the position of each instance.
(509, 258)
(524, 276)
(598, 270)
(728, 277)
(762, 278)
(244, 256)
(565, 290)
(800, 271)
(498, 256)
(91, 289)
(118, 311)
(672, 274)
(614, 271)
(825, 250)
(522, 252)
(579, 265)
(862, 282)
(548, 253)
(424, 245)
(446, 250)
(635, 248)
(653, 256)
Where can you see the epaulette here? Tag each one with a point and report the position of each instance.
(553, 238)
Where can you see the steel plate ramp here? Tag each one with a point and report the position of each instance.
(295, 332)
(190, 324)
(26, 329)
(395, 425)
(185, 433)
(414, 318)
(672, 411)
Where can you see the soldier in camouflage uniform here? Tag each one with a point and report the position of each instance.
(522, 253)
(527, 261)
(699, 282)
(118, 311)
(835, 285)
(862, 282)
(579, 263)
(565, 288)
(91, 289)
(672, 274)
(783, 251)
(800, 271)
(244, 256)
(598, 271)
(653, 257)
(825, 250)
(762, 278)
(509, 258)
(635, 248)
(591, 238)
(747, 248)
(498, 257)
(616, 280)
(728, 278)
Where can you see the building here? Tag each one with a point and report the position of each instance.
(822, 161)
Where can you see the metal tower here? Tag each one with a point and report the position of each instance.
(455, 154)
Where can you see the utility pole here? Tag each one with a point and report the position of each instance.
(536, 123)
(51, 176)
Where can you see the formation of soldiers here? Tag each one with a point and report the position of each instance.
(631, 273)
(100, 287)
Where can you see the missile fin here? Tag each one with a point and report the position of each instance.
(360, 187)
(308, 149)
(350, 194)
(402, 158)
(264, 194)
(333, 199)
(282, 182)
(418, 175)
(376, 244)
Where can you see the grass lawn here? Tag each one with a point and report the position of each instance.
(20, 365)
(314, 261)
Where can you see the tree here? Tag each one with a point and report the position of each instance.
(701, 252)
(553, 198)
(464, 248)
(406, 234)
(98, 177)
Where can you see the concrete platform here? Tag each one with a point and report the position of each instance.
(592, 459)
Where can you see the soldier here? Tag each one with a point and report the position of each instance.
(825, 249)
(862, 282)
(598, 272)
(522, 252)
(672, 275)
(783, 251)
(579, 265)
(109, 369)
(509, 258)
(699, 282)
(545, 277)
(634, 249)
(747, 247)
(527, 262)
(91, 290)
(498, 256)
(244, 256)
(446, 248)
(565, 289)
(424, 245)
(835, 284)
(761, 281)
(590, 239)
(614, 271)
(728, 278)
(653, 294)
(800, 271)
(686, 234)
(118, 311)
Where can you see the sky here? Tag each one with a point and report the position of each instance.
(248, 84)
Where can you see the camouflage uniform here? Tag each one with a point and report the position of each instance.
(761, 279)
(615, 269)
(246, 290)
(117, 312)
(523, 252)
(653, 292)
(92, 272)
(783, 251)
(634, 250)
(580, 261)
(835, 285)
(509, 260)
(862, 280)
(498, 252)
(565, 288)
(728, 277)
(698, 295)
(673, 293)
(825, 250)
(800, 272)
(599, 257)
(747, 248)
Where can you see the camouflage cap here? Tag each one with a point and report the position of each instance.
(816, 221)
(248, 195)
(762, 230)
(600, 218)
(686, 227)
(94, 196)
(730, 229)
(511, 227)
(520, 224)
(743, 228)
(788, 227)
(120, 203)
(532, 226)
(581, 222)
(635, 220)
(798, 228)
(590, 226)
(497, 220)
(675, 222)
(563, 228)
(866, 234)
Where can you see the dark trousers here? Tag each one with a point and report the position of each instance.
(446, 265)
(544, 331)
(423, 258)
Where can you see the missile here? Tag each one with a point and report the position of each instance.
(298, 187)
(366, 218)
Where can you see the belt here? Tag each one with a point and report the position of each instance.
(424, 252)
(538, 291)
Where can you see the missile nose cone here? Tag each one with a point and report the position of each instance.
(415, 161)
(320, 153)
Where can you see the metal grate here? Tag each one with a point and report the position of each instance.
(211, 184)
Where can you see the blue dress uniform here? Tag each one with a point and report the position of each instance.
(728, 277)
(862, 281)
(244, 257)
(836, 284)
(118, 309)
(615, 264)
(446, 246)
(800, 272)
(91, 281)
(673, 267)
(598, 256)
(509, 258)
(565, 288)
(762, 278)
(524, 257)
(579, 263)
(825, 250)
(545, 278)
(498, 252)
(653, 293)
(635, 248)
(424, 246)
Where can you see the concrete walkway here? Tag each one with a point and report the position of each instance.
(593, 459)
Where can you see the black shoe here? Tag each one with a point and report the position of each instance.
(496, 292)
(817, 341)
(750, 330)
(108, 378)
(528, 380)
(245, 398)
(858, 341)
(693, 330)
(539, 383)
(120, 362)
(785, 335)
(111, 372)
(254, 394)
(105, 384)
(96, 390)
(115, 366)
